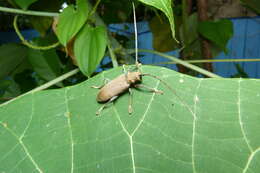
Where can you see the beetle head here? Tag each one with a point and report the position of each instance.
(134, 77)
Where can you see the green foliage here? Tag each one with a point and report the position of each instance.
(191, 35)
(162, 40)
(218, 32)
(24, 4)
(25, 80)
(213, 129)
(253, 4)
(116, 11)
(45, 63)
(41, 24)
(240, 72)
(11, 56)
(166, 7)
(4, 84)
(71, 21)
(90, 46)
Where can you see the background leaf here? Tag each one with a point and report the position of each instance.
(162, 40)
(253, 4)
(89, 48)
(57, 130)
(45, 63)
(218, 32)
(11, 56)
(12, 91)
(71, 20)
(166, 7)
(116, 11)
(41, 24)
(191, 35)
(24, 4)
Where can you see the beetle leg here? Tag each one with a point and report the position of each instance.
(97, 87)
(105, 81)
(138, 66)
(130, 109)
(105, 105)
(125, 72)
(149, 88)
(124, 69)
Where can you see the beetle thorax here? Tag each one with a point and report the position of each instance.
(134, 77)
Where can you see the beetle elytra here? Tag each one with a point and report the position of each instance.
(124, 82)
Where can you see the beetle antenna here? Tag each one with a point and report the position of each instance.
(136, 39)
(170, 88)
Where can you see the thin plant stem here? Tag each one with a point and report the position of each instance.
(28, 12)
(177, 60)
(94, 8)
(210, 61)
(47, 85)
(112, 53)
(25, 42)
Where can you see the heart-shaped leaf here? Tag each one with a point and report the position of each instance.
(218, 32)
(214, 129)
(71, 20)
(89, 48)
(166, 7)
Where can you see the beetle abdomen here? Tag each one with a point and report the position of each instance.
(113, 88)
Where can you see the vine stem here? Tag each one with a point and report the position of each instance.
(47, 85)
(28, 12)
(211, 61)
(112, 53)
(177, 60)
(25, 42)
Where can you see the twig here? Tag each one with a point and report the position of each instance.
(112, 53)
(177, 60)
(47, 85)
(25, 42)
(28, 12)
(94, 8)
(210, 61)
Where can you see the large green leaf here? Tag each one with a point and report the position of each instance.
(89, 48)
(166, 7)
(71, 20)
(219, 32)
(215, 129)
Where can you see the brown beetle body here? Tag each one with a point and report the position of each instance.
(118, 86)
(111, 91)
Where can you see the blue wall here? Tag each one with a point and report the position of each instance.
(244, 44)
